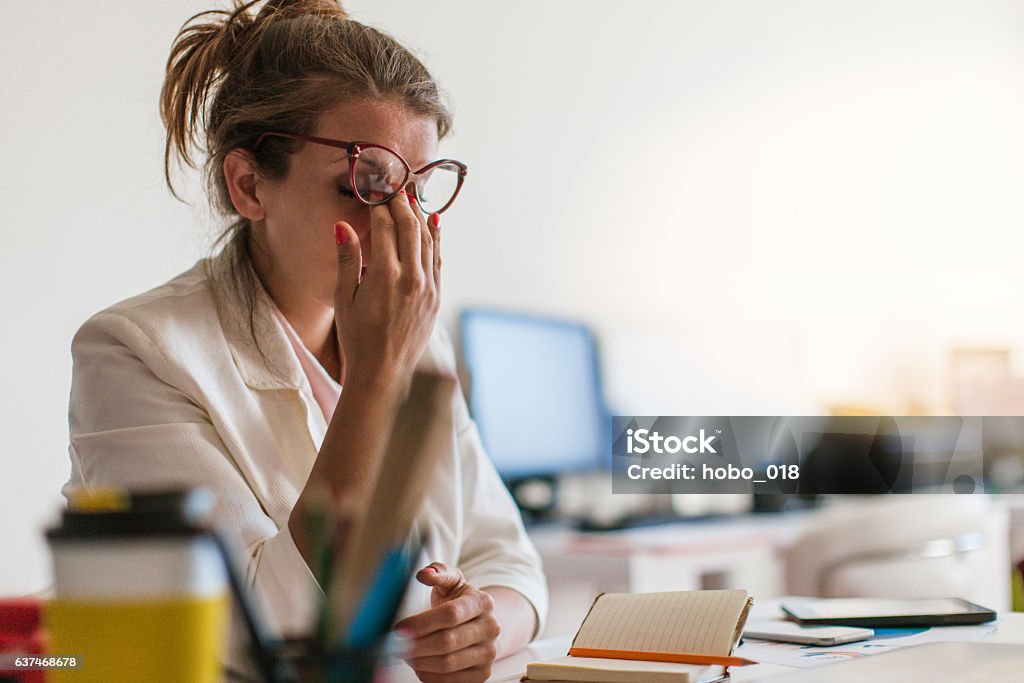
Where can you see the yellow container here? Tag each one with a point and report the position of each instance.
(143, 601)
(155, 640)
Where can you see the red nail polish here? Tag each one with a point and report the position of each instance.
(340, 236)
(403, 193)
(435, 221)
(412, 201)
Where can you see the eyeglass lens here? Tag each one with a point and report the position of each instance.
(380, 174)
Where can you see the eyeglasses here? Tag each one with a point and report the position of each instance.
(376, 174)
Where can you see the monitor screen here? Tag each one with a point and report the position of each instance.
(534, 392)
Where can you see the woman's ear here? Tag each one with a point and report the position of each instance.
(240, 175)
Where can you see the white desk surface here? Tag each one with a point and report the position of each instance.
(679, 538)
(1009, 629)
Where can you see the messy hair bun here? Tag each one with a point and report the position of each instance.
(212, 46)
(235, 73)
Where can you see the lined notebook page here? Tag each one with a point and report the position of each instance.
(686, 622)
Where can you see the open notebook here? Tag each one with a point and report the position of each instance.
(676, 637)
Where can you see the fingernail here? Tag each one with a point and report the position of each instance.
(340, 236)
(435, 221)
(403, 193)
(403, 631)
(431, 570)
(412, 201)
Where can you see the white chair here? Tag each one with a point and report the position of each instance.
(905, 546)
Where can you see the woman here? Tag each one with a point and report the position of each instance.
(230, 375)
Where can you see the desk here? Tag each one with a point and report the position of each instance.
(1009, 629)
(504, 671)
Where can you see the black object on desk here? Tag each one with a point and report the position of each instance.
(886, 613)
(636, 521)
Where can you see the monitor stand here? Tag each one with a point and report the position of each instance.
(536, 496)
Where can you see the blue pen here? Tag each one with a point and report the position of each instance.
(356, 654)
(376, 612)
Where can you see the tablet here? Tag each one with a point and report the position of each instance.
(885, 612)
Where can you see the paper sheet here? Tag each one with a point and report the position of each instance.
(885, 640)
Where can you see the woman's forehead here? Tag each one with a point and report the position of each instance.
(412, 135)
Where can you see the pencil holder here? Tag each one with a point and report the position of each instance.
(341, 666)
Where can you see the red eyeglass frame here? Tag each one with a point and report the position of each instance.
(354, 149)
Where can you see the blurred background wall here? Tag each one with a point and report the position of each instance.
(782, 207)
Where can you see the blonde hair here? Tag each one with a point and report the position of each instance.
(233, 74)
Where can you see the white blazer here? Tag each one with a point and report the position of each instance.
(167, 391)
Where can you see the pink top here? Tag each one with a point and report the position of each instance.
(325, 390)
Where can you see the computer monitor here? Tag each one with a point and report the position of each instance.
(535, 393)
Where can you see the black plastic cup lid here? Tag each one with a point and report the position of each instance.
(112, 513)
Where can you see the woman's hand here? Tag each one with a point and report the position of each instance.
(385, 315)
(455, 641)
